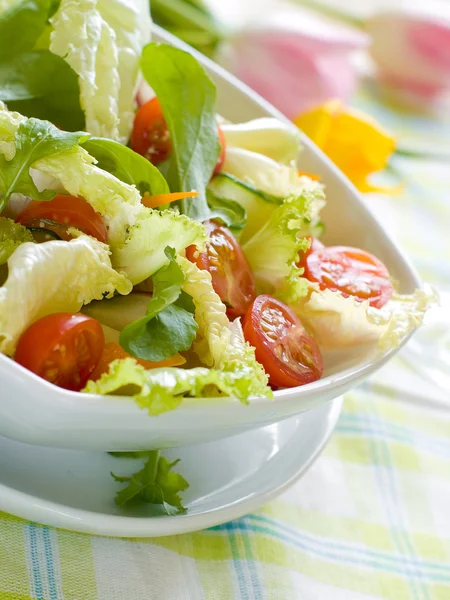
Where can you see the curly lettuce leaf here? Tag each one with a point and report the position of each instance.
(12, 235)
(102, 40)
(188, 98)
(54, 277)
(156, 483)
(33, 140)
(143, 252)
(272, 180)
(163, 389)
(336, 321)
(273, 252)
(221, 344)
(167, 328)
(267, 136)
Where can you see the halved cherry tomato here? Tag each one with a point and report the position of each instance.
(151, 137)
(351, 271)
(113, 351)
(287, 352)
(232, 277)
(222, 154)
(66, 210)
(314, 247)
(63, 348)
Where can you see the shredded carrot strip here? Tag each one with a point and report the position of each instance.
(160, 199)
(310, 175)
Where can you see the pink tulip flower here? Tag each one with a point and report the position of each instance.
(411, 49)
(295, 58)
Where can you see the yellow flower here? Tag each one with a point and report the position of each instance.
(355, 142)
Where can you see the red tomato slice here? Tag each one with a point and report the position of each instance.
(287, 352)
(63, 348)
(151, 137)
(232, 277)
(66, 210)
(351, 271)
(315, 246)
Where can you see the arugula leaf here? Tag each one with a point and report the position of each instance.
(230, 212)
(166, 328)
(21, 25)
(42, 85)
(187, 98)
(34, 140)
(155, 483)
(12, 235)
(126, 165)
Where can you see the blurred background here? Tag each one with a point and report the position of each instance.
(369, 82)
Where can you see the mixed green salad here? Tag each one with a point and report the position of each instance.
(148, 247)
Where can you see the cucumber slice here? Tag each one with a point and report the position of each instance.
(259, 205)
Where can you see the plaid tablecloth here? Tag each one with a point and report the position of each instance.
(370, 520)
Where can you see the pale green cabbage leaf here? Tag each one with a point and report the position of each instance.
(273, 252)
(54, 277)
(336, 321)
(12, 235)
(102, 41)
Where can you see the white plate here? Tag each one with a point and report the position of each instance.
(74, 490)
(37, 412)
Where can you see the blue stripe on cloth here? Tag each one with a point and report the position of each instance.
(50, 563)
(257, 585)
(337, 552)
(398, 433)
(37, 582)
(388, 492)
(237, 562)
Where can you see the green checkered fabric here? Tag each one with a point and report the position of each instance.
(369, 521)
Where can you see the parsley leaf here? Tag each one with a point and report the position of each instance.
(155, 483)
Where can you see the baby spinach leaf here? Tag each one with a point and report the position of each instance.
(230, 212)
(187, 97)
(42, 85)
(167, 328)
(21, 25)
(126, 165)
(35, 139)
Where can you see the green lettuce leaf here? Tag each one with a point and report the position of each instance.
(12, 235)
(163, 389)
(21, 24)
(34, 140)
(339, 322)
(128, 166)
(54, 277)
(273, 252)
(166, 328)
(187, 97)
(143, 254)
(156, 483)
(102, 40)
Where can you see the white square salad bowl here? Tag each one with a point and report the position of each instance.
(36, 412)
